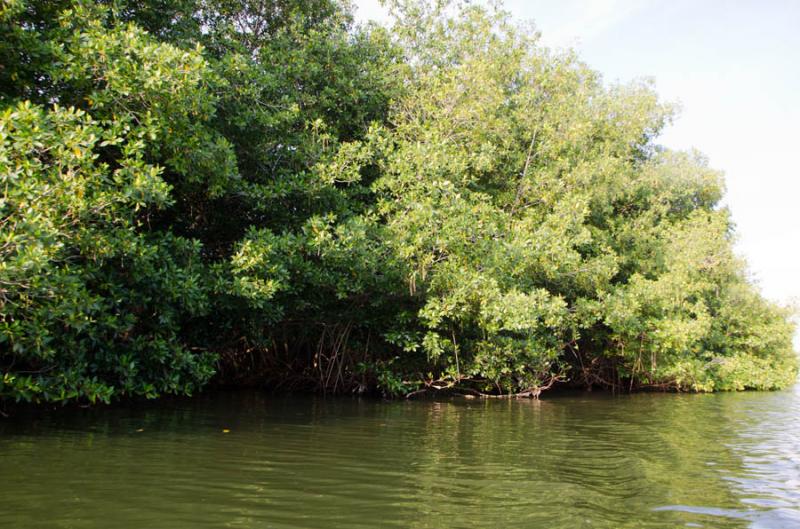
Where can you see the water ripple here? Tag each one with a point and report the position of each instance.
(248, 460)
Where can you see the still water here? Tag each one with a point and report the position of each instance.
(567, 461)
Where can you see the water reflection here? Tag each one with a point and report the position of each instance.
(767, 444)
(641, 461)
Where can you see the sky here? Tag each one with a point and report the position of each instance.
(734, 67)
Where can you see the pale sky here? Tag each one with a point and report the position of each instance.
(735, 68)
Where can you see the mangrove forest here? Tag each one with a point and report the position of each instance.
(265, 193)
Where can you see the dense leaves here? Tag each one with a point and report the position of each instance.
(268, 192)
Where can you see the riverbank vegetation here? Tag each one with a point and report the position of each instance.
(265, 193)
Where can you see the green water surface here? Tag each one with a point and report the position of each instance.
(567, 461)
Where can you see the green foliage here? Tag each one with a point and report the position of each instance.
(91, 305)
(266, 191)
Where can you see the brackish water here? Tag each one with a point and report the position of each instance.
(567, 461)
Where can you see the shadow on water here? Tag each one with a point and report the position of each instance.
(568, 461)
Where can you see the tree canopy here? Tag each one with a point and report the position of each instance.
(264, 192)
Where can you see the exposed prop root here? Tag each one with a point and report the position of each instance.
(440, 386)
